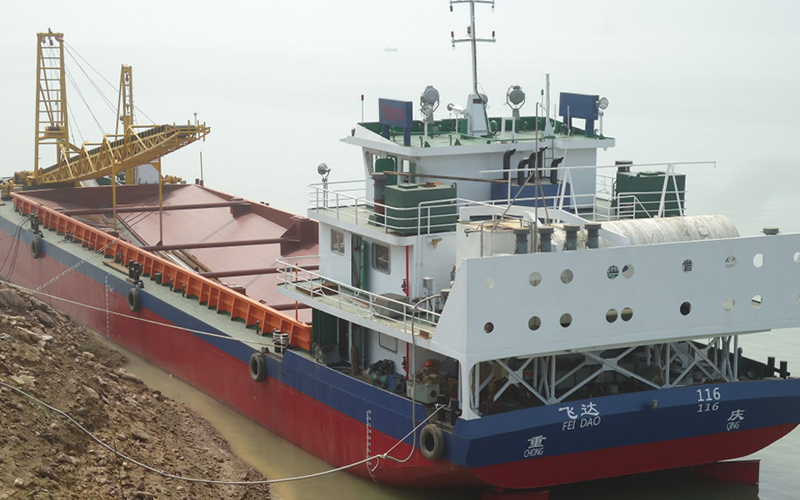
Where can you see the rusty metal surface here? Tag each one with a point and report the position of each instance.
(229, 219)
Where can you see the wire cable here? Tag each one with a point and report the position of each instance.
(16, 245)
(13, 250)
(144, 320)
(109, 104)
(210, 481)
(83, 99)
(72, 50)
(75, 266)
(384, 456)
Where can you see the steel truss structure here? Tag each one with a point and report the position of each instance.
(554, 379)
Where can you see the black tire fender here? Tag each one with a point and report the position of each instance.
(134, 299)
(431, 442)
(258, 367)
(36, 247)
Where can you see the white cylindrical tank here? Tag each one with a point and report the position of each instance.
(660, 230)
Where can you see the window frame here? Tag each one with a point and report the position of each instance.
(376, 261)
(337, 242)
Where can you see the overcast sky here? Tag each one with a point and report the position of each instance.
(280, 81)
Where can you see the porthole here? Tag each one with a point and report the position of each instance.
(626, 314)
(686, 265)
(488, 327)
(534, 323)
(627, 270)
(612, 272)
(758, 259)
(535, 279)
(757, 301)
(566, 276)
(611, 315)
(565, 320)
(686, 308)
(489, 283)
(728, 304)
(730, 262)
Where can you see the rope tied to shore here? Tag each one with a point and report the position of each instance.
(385, 456)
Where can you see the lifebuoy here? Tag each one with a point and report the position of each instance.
(258, 367)
(134, 299)
(431, 442)
(36, 247)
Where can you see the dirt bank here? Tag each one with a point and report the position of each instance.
(45, 456)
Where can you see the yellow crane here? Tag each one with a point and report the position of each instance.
(135, 145)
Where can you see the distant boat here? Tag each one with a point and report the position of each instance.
(390, 49)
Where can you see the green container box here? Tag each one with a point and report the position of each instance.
(386, 165)
(405, 215)
(646, 187)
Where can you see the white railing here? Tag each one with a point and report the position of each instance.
(346, 200)
(397, 314)
(350, 204)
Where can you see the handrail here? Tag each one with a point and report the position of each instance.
(211, 293)
(349, 202)
(421, 219)
(378, 305)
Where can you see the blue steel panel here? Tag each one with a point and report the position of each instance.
(393, 113)
(628, 420)
(578, 106)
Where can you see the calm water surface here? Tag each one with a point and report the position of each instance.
(277, 458)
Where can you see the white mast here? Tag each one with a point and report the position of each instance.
(476, 106)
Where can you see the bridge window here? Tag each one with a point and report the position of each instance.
(337, 242)
(380, 258)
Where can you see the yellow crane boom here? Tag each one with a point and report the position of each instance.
(136, 145)
(139, 145)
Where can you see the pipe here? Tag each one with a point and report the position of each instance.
(545, 238)
(152, 208)
(289, 307)
(554, 170)
(593, 236)
(218, 244)
(522, 176)
(539, 162)
(507, 162)
(251, 272)
(408, 274)
(522, 239)
(572, 236)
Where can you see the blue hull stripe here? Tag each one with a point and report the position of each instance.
(619, 420)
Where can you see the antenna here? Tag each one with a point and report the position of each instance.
(472, 38)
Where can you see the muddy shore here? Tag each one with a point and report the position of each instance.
(43, 455)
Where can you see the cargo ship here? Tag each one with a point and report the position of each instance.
(486, 306)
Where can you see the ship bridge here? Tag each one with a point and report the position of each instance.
(548, 295)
